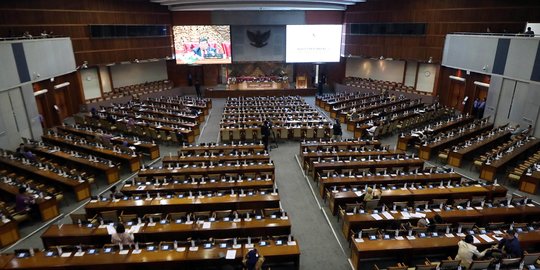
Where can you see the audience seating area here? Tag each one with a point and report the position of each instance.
(380, 85)
(134, 91)
(290, 117)
(379, 195)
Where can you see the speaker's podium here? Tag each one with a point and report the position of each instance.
(261, 86)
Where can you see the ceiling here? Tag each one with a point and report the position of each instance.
(192, 5)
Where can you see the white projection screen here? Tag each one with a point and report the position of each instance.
(313, 43)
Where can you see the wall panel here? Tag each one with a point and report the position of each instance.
(71, 18)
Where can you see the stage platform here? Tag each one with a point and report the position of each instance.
(223, 93)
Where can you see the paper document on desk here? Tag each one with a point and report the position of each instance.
(487, 238)
(387, 215)
(418, 215)
(110, 229)
(358, 193)
(231, 254)
(134, 229)
(476, 241)
(206, 225)
(376, 216)
(406, 214)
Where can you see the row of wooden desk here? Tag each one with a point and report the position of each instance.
(408, 249)
(479, 215)
(404, 140)
(406, 164)
(184, 204)
(488, 171)
(240, 168)
(426, 150)
(81, 189)
(455, 158)
(326, 183)
(163, 188)
(183, 258)
(410, 195)
(48, 205)
(111, 173)
(133, 162)
(151, 149)
(72, 234)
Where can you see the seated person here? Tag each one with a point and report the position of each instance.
(466, 251)
(253, 260)
(121, 236)
(372, 194)
(24, 201)
(205, 50)
(115, 194)
(510, 245)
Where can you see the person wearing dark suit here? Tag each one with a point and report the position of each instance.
(265, 132)
(205, 50)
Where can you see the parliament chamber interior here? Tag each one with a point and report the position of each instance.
(296, 134)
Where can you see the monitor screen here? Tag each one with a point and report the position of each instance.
(202, 44)
(313, 43)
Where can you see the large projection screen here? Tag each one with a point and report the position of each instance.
(313, 43)
(202, 44)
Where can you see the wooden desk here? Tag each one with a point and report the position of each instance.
(408, 250)
(530, 184)
(162, 259)
(81, 190)
(216, 169)
(9, 233)
(129, 189)
(455, 158)
(48, 206)
(327, 182)
(133, 162)
(308, 158)
(72, 234)
(489, 171)
(148, 148)
(479, 215)
(426, 150)
(186, 204)
(348, 144)
(410, 195)
(112, 174)
(403, 141)
(227, 148)
(406, 163)
(190, 160)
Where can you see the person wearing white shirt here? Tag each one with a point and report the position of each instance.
(121, 236)
(466, 251)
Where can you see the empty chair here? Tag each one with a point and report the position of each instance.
(220, 214)
(109, 216)
(399, 266)
(466, 225)
(177, 216)
(448, 264)
(201, 215)
(441, 227)
(511, 263)
(155, 217)
(76, 218)
(128, 217)
(477, 200)
(244, 212)
(371, 205)
(480, 265)
(530, 259)
(425, 267)
(460, 202)
(271, 211)
(438, 202)
(400, 205)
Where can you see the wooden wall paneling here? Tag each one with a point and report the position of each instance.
(324, 17)
(191, 17)
(441, 17)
